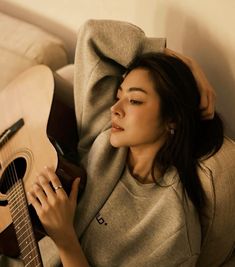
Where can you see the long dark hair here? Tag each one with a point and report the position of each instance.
(193, 138)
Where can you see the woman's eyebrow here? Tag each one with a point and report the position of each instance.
(132, 89)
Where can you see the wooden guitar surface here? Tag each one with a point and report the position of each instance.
(28, 98)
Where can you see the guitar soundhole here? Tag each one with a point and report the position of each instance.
(14, 171)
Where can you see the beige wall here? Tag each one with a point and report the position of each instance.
(203, 29)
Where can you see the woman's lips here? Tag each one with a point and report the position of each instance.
(116, 128)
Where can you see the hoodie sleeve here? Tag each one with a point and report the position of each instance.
(104, 50)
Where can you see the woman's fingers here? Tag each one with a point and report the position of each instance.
(48, 188)
(45, 184)
(55, 181)
(207, 105)
(39, 193)
(203, 101)
(207, 93)
(54, 208)
(42, 193)
(74, 191)
(34, 201)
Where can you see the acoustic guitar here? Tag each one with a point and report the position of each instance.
(37, 129)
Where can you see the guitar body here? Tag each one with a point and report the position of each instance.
(32, 98)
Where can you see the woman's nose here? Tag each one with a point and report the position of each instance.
(117, 110)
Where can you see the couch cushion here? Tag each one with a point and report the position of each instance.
(67, 72)
(218, 218)
(23, 45)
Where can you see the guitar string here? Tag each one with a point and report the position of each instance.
(11, 175)
(13, 181)
(31, 245)
(33, 242)
(35, 251)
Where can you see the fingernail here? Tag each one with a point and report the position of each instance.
(77, 180)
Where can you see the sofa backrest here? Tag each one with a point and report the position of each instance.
(218, 218)
(23, 45)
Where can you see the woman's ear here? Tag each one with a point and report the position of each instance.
(171, 127)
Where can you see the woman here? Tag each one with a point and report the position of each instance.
(140, 206)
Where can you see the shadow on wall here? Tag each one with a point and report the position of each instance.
(194, 39)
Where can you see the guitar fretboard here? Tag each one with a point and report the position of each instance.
(29, 251)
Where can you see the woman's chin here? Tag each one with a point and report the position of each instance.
(115, 143)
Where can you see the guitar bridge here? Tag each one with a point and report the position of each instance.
(3, 203)
(3, 200)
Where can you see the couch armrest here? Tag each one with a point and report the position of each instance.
(23, 45)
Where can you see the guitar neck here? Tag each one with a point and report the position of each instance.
(28, 246)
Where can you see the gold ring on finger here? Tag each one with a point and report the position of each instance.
(58, 187)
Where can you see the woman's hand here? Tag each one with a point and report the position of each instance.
(54, 208)
(207, 93)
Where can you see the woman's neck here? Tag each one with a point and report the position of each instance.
(140, 163)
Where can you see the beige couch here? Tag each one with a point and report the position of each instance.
(24, 44)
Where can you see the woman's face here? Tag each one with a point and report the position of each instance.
(136, 118)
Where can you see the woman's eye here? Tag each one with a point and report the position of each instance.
(135, 102)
